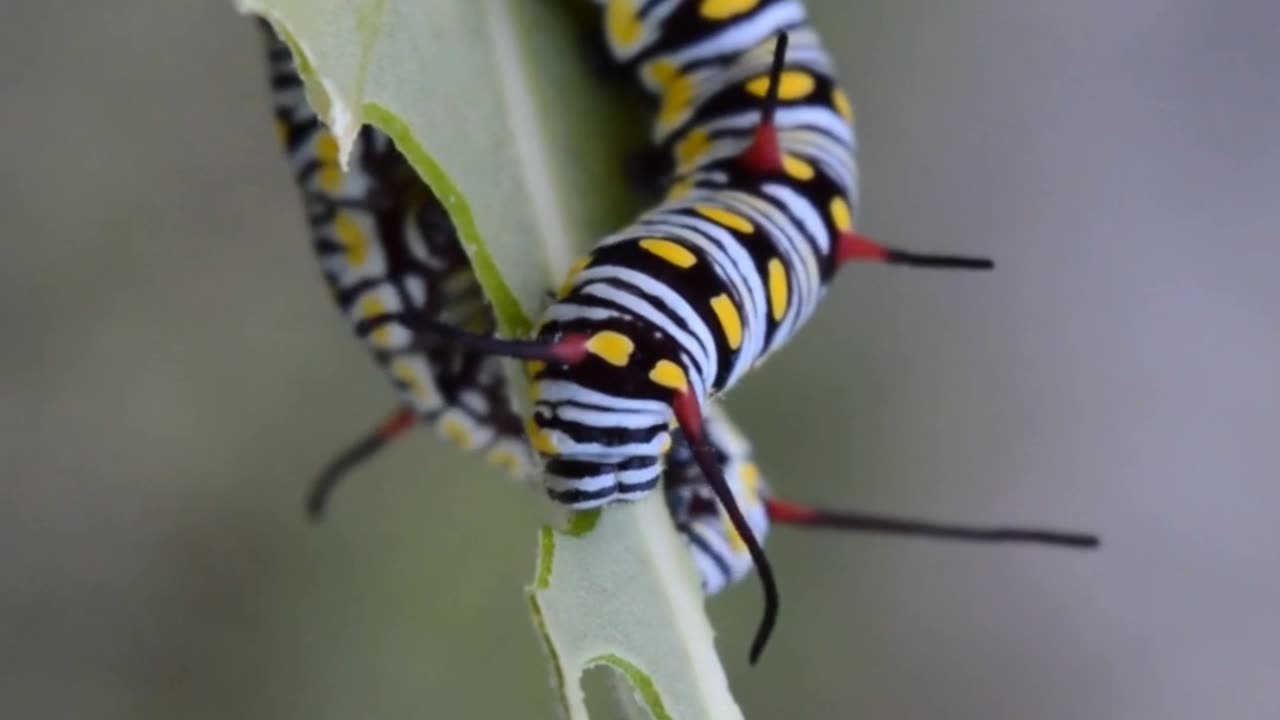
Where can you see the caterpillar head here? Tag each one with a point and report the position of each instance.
(602, 417)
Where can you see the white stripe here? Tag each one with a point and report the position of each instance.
(595, 483)
(568, 312)
(804, 211)
(816, 117)
(647, 311)
(605, 418)
(474, 401)
(571, 449)
(678, 305)
(559, 391)
(741, 34)
(591, 483)
(416, 289)
(731, 260)
(747, 286)
(797, 255)
(833, 159)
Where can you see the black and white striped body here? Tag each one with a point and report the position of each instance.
(387, 247)
(726, 269)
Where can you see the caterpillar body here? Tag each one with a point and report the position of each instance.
(662, 317)
(386, 245)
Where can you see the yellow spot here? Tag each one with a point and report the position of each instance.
(671, 251)
(730, 320)
(506, 460)
(691, 148)
(669, 375)
(327, 148)
(612, 347)
(675, 90)
(352, 239)
(796, 84)
(457, 433)
(778, 293)
(410, 374)
(405, 373)
(331, 178)
(282, 131)
(662, 72)
(327, 155)
(574, 271)
(680, 188)
(540, 439)
(623, 24)
(666, 444)
(382, 337)
(735, 540)
(798, 169)
(841, 217)
(749, 475)
(372, 306)
(729, 219)
(843, 106)
(533, 367)
(535, 392)
(676, 98)
(725, 9)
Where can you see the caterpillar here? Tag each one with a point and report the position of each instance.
(664, 316)
(385, 245)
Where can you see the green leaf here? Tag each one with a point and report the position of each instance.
(624, 594)
(493, 104)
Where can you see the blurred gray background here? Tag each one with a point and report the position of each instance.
(172, 374)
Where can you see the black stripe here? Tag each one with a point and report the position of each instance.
(575, 496)
(700, 543)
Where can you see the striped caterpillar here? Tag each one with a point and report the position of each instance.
(658, 319)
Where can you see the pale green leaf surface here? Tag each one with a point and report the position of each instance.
(492, 103)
